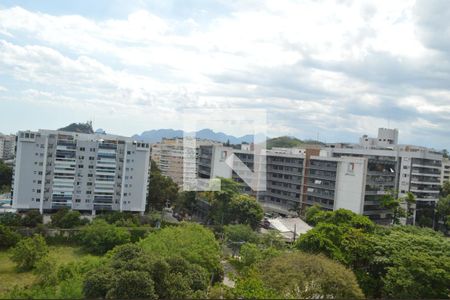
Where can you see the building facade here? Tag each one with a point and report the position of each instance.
(86, 172)
(350, 176)
(7, 146)
(170, 154)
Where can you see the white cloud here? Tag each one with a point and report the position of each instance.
(329, 64)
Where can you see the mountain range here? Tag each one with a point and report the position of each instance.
(156, 135)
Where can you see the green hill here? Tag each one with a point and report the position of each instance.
(284, 142)
(79, 127)
(290, 142)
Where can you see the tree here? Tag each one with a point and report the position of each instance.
(8, 237)
(186, 202)
(410, 200)
(443, 211)
(29, 251)
(220, 213)
(10, 219)
(302, 275)
(5, 177)
(245, 209)
(65, 218)
(239, 234)
(132, 285)
(445, 188)
(190, 241)
(393, 204)
(251, 286)
(31, 218)
(120, 218)
(396, 262)
(131, 272)
(311, 213)
(161, 190)
(99, 237)
(412, 262)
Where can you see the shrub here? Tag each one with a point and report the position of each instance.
(8, 237)
(10, 219)
(29, 251)
(65, 218)
(99, 237)
(31, 218)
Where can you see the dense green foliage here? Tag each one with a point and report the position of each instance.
(64, 281)
(161, 191)
(118, 218)
(31, 218)
(186, 203)
(100, 237)
(10, 219)
(229, 206)
(296, 275)
(28, 251)
(445, 189)
(301, 275)
(8, 237)
(65, 218)
(131, 272)
(443, 212)
(244, 209)
(239, 234)
(398, 262)
(5, 177)
(190, 241)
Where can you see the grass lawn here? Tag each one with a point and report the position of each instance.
(9, 277)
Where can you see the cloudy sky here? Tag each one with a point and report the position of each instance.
(333, 69)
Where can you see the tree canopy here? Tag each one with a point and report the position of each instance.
(162, 190)
(396, 262)
(99, 237)
(190, 241)
(131, 272)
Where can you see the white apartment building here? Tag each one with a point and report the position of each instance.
(7, 146)
(351, 176)
(87, 172)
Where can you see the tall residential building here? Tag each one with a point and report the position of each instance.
(445, 173)
(7, 146)
(88, 172)
(169, 156)
(397, 168)
(351, 176)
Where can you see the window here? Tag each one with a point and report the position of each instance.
(40, 173)
(91, 167)
(77, 200)
(88, 192)
(91, 157)
(82, 149)
(89, 183)
(90, 175)
(80, 166)
(39, 182)
(38, 191)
